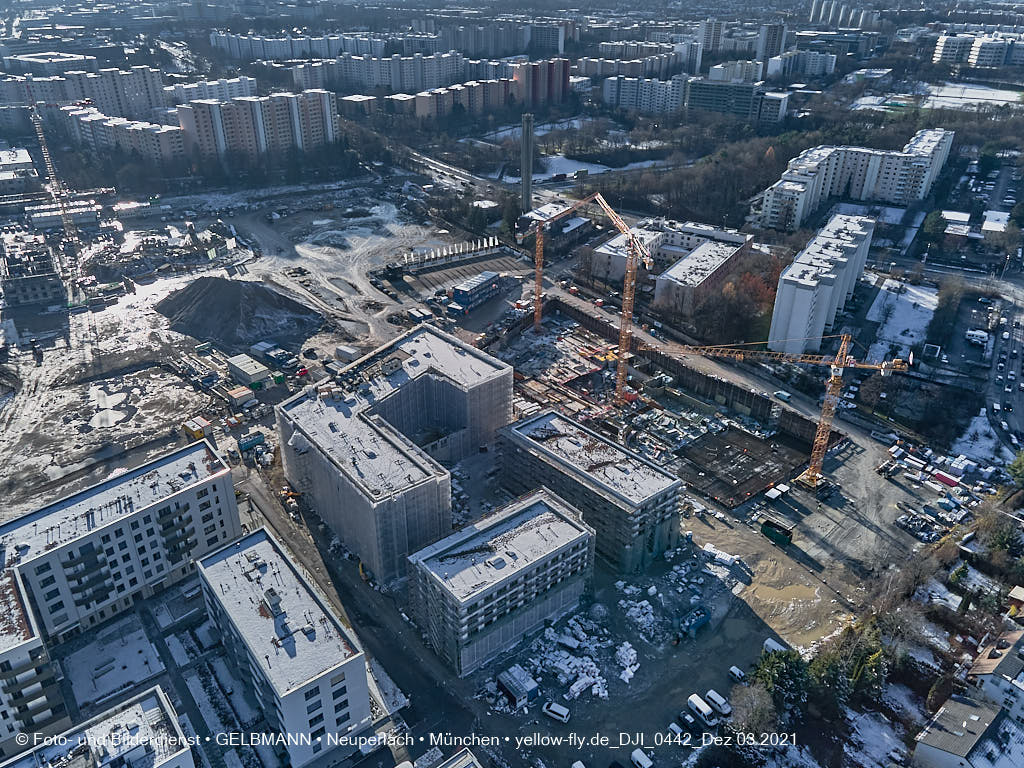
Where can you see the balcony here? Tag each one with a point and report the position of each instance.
(93, 595)
(181, 535)
(93, 581)
(54, 717)
(37, 660)
(80, 558)
(18, 695)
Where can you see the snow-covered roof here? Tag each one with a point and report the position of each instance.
(461, 759)
(108, 502)
(16, 623)
(960, 725)
(342, 422)
(995, 221)
(290, 632)
(502, 545)
(144, 727)
(699, 263)
(593, 459)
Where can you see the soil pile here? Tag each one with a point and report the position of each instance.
(236, 314)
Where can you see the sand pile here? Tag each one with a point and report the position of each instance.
(238, 313)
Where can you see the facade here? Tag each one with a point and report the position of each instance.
(155, 143)
(134, 93)
(222, 90)
(982, 50)
(998, 673)
(393, 73)
(30, 695)
(966, 733)
(746, 99)
(478, 592)
(739, 71)
(287, 644)
(632, 505)
(49, 63)
(661, 65)
(366, 452)
(771, 41)
(803, 64)
(142, 731)
(85, 559)
(254, 47)
(815, 287)
(254, 126)
(859, 173)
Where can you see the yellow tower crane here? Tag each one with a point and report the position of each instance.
(812, 477)
(636, 252)
(58, 191)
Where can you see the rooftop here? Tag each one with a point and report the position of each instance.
(16, 624)
(976, 732)
(461, 759)
(147, 721)
(501, 545)
(1002, 656)
(342, 423)
(289, 630)
(699, 263)
(13, 159)
(127, 492)
(594, 459)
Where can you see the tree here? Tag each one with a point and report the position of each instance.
(753, 710)
(1016, 469)
(941, 690)
(830, 677)
(784, 675)
(871, 390)
(934, 226)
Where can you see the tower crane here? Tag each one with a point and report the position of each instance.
(636, 252)
(58, 191)
(812, 477)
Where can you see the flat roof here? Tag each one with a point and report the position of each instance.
(254, 577)
(698, 264)
(461, 759)
(15, 156)
(594, 459)
(247, 365)
(16, 624)
(959, 725)
(146, 720)
(502, 544)
(341, 421)
(123, 494)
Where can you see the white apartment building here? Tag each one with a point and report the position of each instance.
(816, 286)
(646, 95)
(997, 674)
(478, 592)
(858, 173)
(254, 47)
(30, 695)
(396, 73)
(366, 451)
(222, 90)
(87, 557)
(983, 50)
(142, 732)
(632, 504)
(800, 64)
(305, 669)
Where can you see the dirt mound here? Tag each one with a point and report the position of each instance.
(237, 313)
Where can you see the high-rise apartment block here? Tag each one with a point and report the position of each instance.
(88, 557)
(807, 64)
(982, 50)
(771, 41)
(288, 646)
(366, 451)
(133, 93)
(815, 287)
(632, 504)
(481, 590)
(745, 100)
(393, 73)
(816, 174)
(256, 125)
(261, 47)
(223, 89)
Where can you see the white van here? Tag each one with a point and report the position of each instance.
(556, 711)
(718, 702)
(640, 759)
(737, 674)
(578, 764)
(770, 646)
(700, 708)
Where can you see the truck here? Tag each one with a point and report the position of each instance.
(250, 441)
(778, 529)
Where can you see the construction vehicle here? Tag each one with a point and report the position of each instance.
(778, 529)
(636, 252)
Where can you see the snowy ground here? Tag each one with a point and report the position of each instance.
(515, 131)
(904, 311)
(872, 738)
(119, 658)
(933, 591)
(555, 164)
(959, 96)
(242, 703)
(981, 443)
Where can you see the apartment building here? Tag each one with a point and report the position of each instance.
(806, 64)
(367, 452)
(30, 696)
(541, 82)
(86, 558)
(49, 63)
(983, 50)
(771, 41)
(710, 33)
(394, 73)
(480, 591)
(745, 100)
(288, 646)
(646, 95)
(258, 47)
(155, 143)
(222, 90)
(997, 674)
(815, 287)
(133, 93)
(660, 65)
(142, 731)
(253, 126)
(966, 733)
(816, 174)
(739, 71)
(632, 504)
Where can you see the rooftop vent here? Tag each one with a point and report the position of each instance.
(273, 601)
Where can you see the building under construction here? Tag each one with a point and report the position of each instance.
(28, 272)
(478, 592)
(366, 452)
(632, 504)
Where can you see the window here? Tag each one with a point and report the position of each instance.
(51, 594)
(135, 525)
(149, 532)
(340, 692)
(211, 541)
(120, 587)
(138, 538)
(126, 558)
(42, 568)
(105, 538)
(317, 746)
(147, 574)
(147, 519)
(203, 492)
(132, 581)
(119, 532)
(56, 606)
(122, 546)
(210, 529)
(130, 569)
(316, 720)
(338, 678)
(109, 551)
(343, 718)
(343, 704)
(208, 517)
(314, 706)
(204, 505)
(318, 733)
(145, 561)
(314, 691)
(47, 581)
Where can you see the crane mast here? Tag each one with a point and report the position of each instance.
(58, 191)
